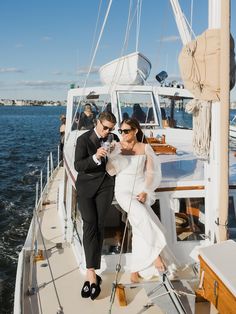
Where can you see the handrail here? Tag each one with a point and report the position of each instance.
(40, 195)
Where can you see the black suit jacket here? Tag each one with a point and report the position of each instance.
(90, 175)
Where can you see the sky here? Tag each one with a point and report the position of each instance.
(47, 45)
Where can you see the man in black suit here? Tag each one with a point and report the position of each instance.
(95, 190)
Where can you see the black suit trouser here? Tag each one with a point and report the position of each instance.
(93, 211)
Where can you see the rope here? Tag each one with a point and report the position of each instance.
(201, 111)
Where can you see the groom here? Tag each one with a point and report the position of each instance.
(95, 190)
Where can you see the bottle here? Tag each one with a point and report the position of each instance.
(107, 143)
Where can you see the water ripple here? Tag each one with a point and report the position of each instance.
(28, 134)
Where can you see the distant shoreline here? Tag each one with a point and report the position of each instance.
(31, 103)
(40, 103)
(48, 105)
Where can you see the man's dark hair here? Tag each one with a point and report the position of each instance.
(109, 116)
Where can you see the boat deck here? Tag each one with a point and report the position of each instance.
(58, 280)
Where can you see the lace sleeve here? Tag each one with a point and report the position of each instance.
(152, 173)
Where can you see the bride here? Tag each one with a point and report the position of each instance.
(138, 174)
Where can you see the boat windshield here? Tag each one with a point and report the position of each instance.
(139, 105)
(175, 115)
(87, 108)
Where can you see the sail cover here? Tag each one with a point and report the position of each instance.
(199, 63)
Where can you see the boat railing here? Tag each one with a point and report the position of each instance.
(34, 244)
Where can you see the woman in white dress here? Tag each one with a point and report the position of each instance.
(138, 174)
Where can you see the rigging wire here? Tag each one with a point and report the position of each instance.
(92, 61)
(191, 14)
(36, 220)
(118, 265)
(95, 30)
(60, 309)
(139, 7)
(124, 47)
(160, 49)
(189, 26)
(98, 41)
(120, 64)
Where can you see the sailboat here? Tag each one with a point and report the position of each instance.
(192, 203)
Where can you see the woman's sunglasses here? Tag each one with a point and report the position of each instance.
(125, 131)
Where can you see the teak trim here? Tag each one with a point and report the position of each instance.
(180, 188)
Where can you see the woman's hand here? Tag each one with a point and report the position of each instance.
(142, 197)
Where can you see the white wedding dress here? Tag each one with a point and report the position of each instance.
(136, 174)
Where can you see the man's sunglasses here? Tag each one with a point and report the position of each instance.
(105, 128)
(125, 131)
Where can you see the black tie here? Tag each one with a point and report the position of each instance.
(101, 141)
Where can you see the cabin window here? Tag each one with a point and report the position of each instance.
(231, 219)
(173, 112)
(138, 105)
(87, 108)
(190, 219)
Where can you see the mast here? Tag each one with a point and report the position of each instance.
(181, 22)
(217, 169)
(224, 116)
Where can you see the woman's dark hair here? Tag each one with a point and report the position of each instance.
(134, 124)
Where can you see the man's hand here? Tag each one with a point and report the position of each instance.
(142, 197)
(101, 152)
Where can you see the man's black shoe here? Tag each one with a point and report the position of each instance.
(86, 290)
(95, 288)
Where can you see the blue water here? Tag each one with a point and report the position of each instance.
(27, 136)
